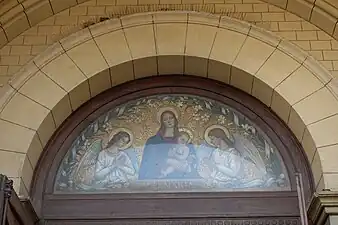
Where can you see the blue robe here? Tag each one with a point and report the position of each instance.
(155, 155)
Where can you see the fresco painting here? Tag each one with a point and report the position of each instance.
(172, 143)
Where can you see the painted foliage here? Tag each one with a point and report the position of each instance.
(167, 143)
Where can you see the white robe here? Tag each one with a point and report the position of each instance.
(228, 165)
(113, 169)
(230, 168)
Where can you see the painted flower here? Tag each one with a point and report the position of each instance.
(196, 117)
(179, 103)
(197, 107)
(221, 119)
(137, 119)
(205, 117)
(191, 126)
(249, 128)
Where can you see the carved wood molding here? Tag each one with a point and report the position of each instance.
(14, 211)
(6, 189)
(258, 221)
(323, 205)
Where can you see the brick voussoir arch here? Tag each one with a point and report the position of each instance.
(79, 67)
(18, 16)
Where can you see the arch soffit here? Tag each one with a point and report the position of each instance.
(94, 59)
(17, 16)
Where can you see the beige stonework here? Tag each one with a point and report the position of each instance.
(301, 91)
(17, 16)
(283, 23)
(143, 45)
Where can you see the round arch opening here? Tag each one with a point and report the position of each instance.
(189, 148)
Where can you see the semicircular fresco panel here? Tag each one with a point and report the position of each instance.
(171, 143)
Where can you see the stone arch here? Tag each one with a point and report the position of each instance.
(79, 67)
(17, 16)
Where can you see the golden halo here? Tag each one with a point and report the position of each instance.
(189, 132)
(226, 131)
(131, 135)
(167, 108)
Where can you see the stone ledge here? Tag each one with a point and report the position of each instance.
(323, 205)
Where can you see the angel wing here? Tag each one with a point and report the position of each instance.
(249, 151)
(84, 175)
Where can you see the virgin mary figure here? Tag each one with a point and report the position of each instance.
(157, 149)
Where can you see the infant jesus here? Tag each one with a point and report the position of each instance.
(178, 156)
